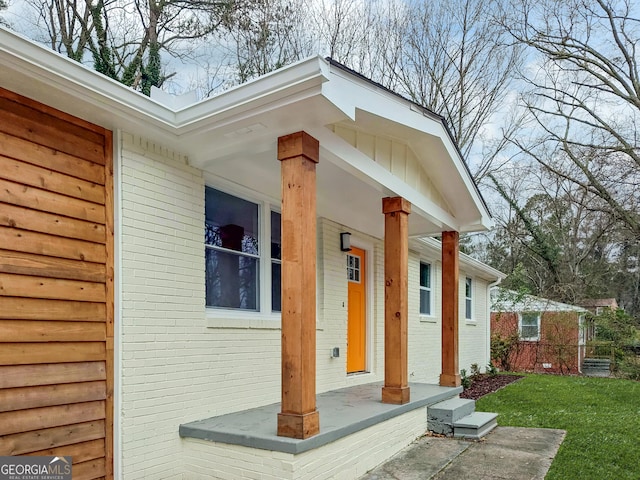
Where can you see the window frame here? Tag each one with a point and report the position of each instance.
(263, 316)
(538, 324)
(428, 289)
(468, 312)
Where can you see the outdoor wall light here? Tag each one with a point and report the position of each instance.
(345, 241)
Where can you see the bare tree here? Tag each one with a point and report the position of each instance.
(3, 6)
(264, 35)
(584, 96)
(124, 39)
(553, 237)
(452, 58)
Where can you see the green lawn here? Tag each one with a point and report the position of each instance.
(601, 417)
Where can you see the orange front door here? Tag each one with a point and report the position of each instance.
(357, 308)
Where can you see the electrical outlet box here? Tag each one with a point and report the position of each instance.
(335, 352)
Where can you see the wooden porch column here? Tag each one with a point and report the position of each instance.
(298, 153)
(396, 293)
(450, 376)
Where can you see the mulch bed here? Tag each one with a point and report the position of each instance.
(485, 384)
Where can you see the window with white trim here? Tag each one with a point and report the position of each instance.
(234, 251)
(425, 289)
(529, 327)
(468, 298)
(276, 261)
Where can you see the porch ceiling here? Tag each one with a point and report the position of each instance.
(342, 196)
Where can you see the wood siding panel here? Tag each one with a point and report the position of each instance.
(42, 244)
(47, 417)
(29, 124)
(50, 159)
(45, 201)
(62, 352)
(56, 286)
(39, 331)
(50, 395)
(46, 179)
(81, 452)
(40, 309)
(53, 224)
(16, 376)
(30, 264)
(26, 442)
(53, 288)
(90, 470)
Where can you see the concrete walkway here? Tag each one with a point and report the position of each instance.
(506, 453)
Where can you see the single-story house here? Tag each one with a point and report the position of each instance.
(535, 334)
(172, 269)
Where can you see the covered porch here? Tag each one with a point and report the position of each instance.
(344, 412)
(357, 433)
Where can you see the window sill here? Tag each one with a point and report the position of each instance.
(245, 320)
(249, 320)
(428, 319)
(470, 321)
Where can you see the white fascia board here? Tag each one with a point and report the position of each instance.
(281, 87)
(51, 68)
(360, 165)
(433, 248)
(351, 93)
(135, 112)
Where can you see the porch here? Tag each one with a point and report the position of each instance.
(345, 411)
(357, 433)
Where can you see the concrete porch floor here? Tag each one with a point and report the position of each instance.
(342, 412)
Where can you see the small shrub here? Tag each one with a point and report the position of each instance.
(504, 349)
(466, 381)
(492, 370)
(630, 367)
(475, 371)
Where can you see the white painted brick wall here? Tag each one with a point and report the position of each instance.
(162, 303)
(346, 459)
(473, 347)
(425, 333)
(174, 368)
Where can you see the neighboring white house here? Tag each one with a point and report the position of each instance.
(199, 238)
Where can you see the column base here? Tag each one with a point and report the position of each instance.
(396, 395)
(448, 380)
(300, 426)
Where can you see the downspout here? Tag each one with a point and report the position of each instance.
(488, 324)
(580, 345)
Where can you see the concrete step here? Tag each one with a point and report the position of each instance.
(596, 361)
(441, 416)
(596, 373)
(596, 367)
(475, 426)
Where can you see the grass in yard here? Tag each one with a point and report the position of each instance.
(601, 417)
